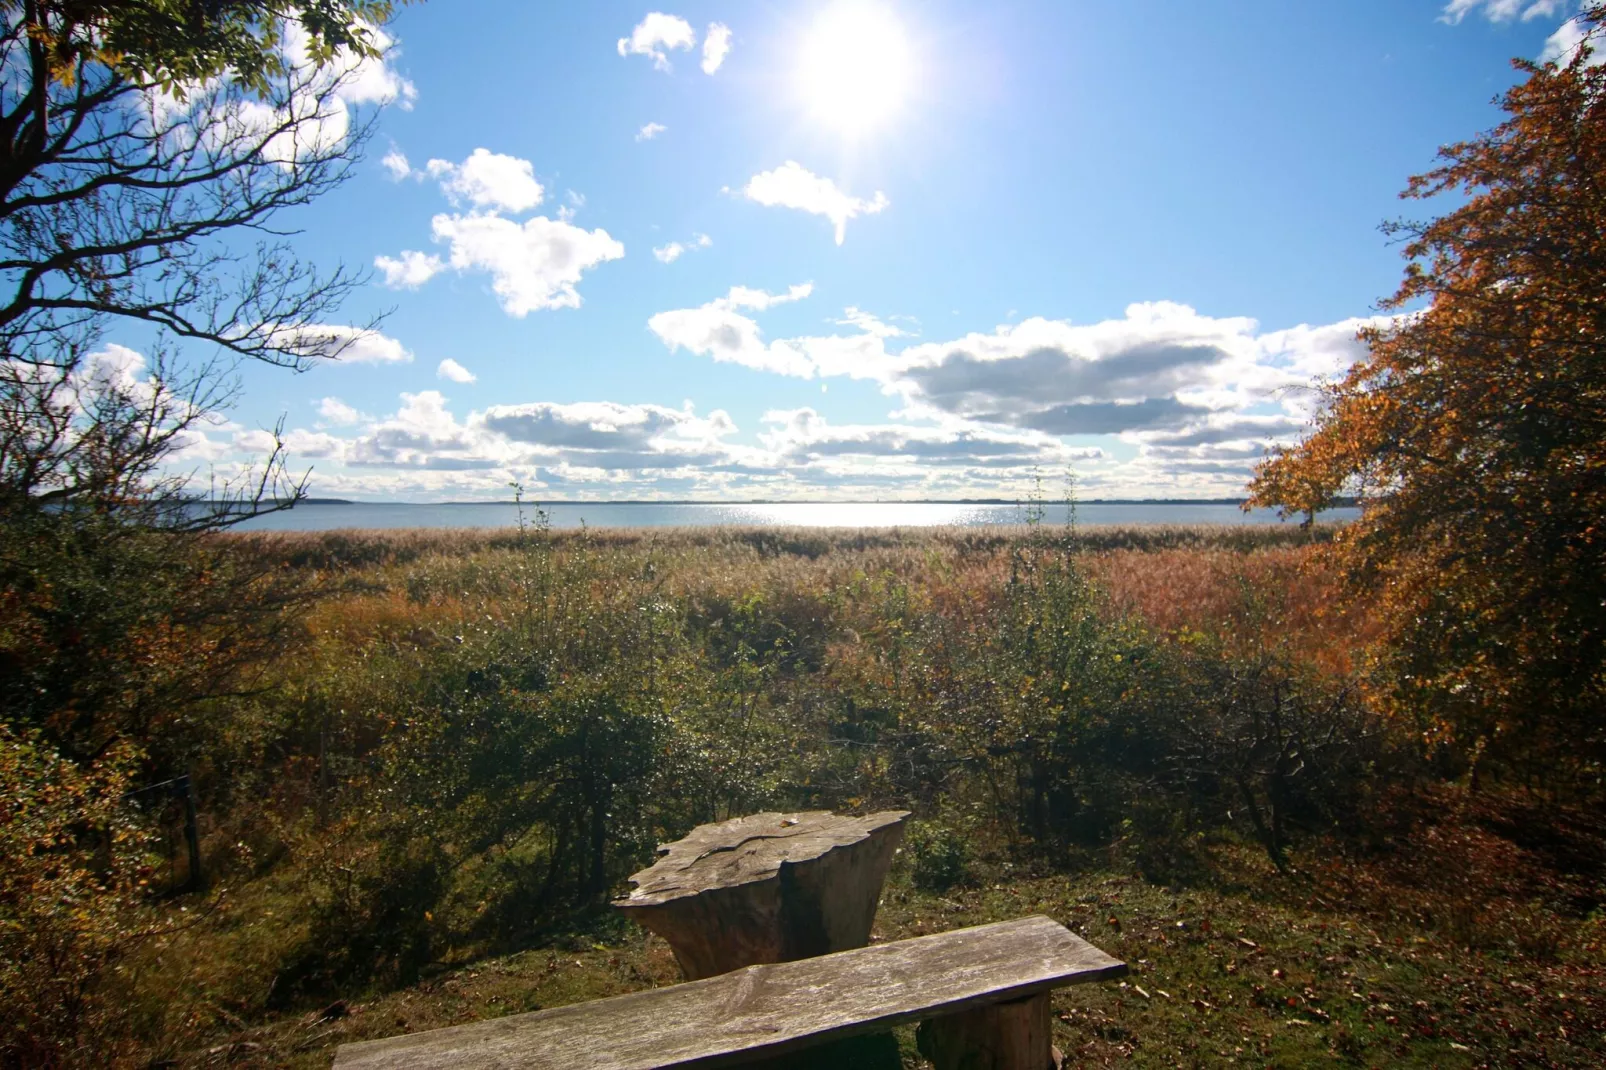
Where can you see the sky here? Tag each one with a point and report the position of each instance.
(864, 249)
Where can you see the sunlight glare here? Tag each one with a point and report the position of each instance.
(855, 67)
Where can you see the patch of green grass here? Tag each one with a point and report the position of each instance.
(1251, 969)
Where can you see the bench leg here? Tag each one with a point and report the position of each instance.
(1003, 1036)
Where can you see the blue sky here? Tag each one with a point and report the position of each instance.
(878, 249)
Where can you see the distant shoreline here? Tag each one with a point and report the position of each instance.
(1046, 503)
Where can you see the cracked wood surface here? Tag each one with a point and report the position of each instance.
(769, 887)
(762, 1011)
(747, 849)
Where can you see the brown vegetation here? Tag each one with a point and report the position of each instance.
(466, 743)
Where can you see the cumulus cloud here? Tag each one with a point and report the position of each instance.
(536, 264)
(650, 131)
(489, 447)
(489, 180)
(1162, 368)
(791, 185)
(455, 372)
(338, 413)
(719, 331)
(1228, 428)
(409, 271)
(608, 435)
(369, 79)
(395, 163)
(321, 97)
(533, 265)
(656, 36)
(422, 433)
(803, 436)
(716, 46)
(424, 447)
(1569, 38)
(350, 345)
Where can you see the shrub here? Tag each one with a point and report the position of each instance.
(940, 857)
(74, 869)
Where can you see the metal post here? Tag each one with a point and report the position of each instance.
(192, 834)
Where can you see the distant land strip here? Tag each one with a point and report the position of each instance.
(1340, 503)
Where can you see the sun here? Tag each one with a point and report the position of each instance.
(855, 68)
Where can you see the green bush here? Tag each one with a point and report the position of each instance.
(939, 857)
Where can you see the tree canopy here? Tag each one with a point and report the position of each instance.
(1475, 430)
(177, 43)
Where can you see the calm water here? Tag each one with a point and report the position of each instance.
(802, 514)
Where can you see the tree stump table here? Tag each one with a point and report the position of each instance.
(771, 887)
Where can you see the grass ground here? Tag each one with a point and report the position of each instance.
(1450, 943)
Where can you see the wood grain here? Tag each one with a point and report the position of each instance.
(770, 887)
(762, 1011)
(1017, 1035)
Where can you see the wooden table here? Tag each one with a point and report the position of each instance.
(772, 887)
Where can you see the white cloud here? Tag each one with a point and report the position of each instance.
(533, 265)
(367, 79)
(864, 321)
(672, 251)
(718, 331)
(747, 297)
(1570, 36)
(1502, 10)
(395, 162)
(350, 345)
(423, 434)
(411, 271)
(1161, 368)
(655, 35)
(487, 448)
(791, 185)
(489, 180)
(606, 435)
(650, 131)
(300, 443)
(716, 46)
(450, 369)
(321, 97)
(1560, 47)
(803, 436)
(338, 413)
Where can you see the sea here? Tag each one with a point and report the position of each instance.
(331, 516)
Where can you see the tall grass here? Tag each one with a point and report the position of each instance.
(481, 733)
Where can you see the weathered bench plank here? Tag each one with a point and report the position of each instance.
(770, 887)
(762, 1011)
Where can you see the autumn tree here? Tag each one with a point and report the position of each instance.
(1475, 434)
(149, 150)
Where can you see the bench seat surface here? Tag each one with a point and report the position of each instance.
(762, 1011)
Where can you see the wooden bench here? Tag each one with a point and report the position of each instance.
(982, 995)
